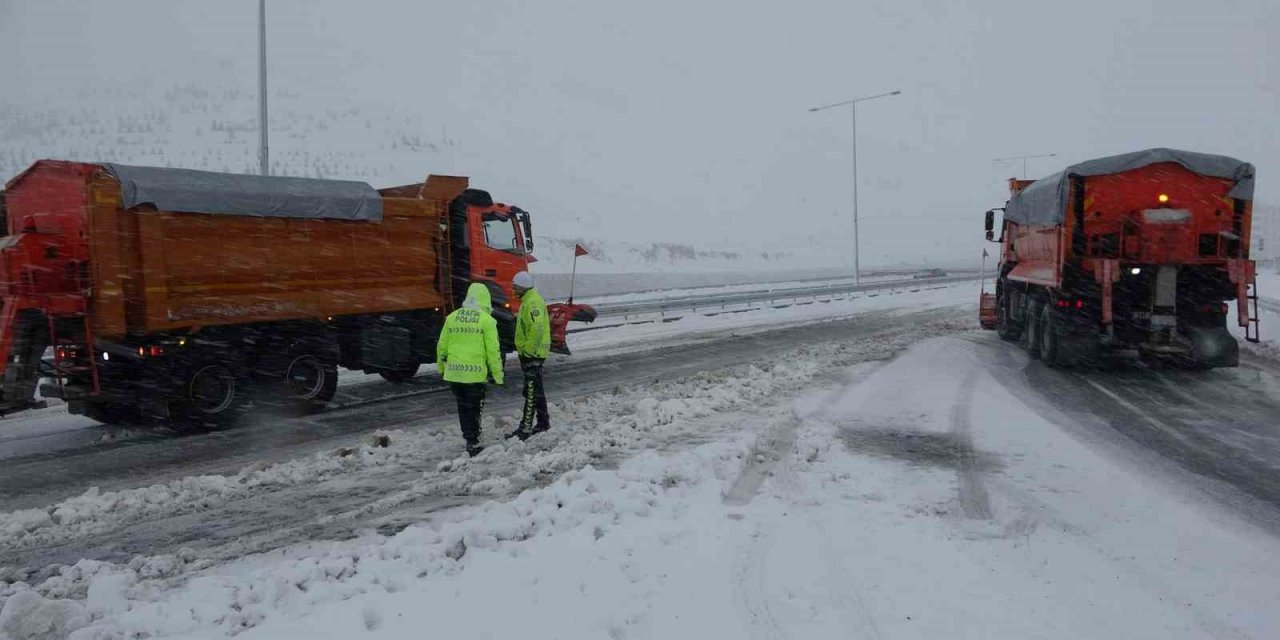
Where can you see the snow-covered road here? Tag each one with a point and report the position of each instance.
(324, 494)
(827, 493)
(820, 471)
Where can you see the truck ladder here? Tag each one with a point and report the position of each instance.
(1252, 330)
(1243, 275)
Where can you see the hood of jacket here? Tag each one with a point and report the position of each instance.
(478, 298)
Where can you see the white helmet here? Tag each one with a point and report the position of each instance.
(523, 280)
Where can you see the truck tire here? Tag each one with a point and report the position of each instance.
(1006, 328)
(1050, 338)
(211, 395)
(1211, 347)
(1031, 333)
(310, 376)
(400, 375)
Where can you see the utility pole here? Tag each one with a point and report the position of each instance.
(264, 159)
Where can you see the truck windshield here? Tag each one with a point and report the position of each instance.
(501, 234)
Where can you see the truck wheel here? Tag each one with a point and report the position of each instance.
(1050, 341)
(1032, 334)
(1006, 328)
(1211, 347)
(211, 395)
(310, 378)
(403, 374)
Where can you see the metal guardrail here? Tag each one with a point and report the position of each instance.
(792, 294)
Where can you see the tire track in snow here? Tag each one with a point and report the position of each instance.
(770, 460)
(749, 581)
(770, 448)
(842, 584)
(974, 501)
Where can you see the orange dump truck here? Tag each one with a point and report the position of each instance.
(192, 295)
(1138, 252)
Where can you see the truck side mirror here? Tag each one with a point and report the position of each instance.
(990, 224)
(527, 227)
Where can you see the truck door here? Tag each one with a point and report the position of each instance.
(498, 250)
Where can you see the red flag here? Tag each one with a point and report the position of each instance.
(578, 250)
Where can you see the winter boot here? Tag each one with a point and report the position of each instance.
(474, 450)
(519, 433)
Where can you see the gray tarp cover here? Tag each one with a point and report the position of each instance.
(190, 191)
(1045, 201)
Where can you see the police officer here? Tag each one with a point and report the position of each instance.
(468, 354)
(533, 343)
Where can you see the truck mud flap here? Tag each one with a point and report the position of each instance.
(1213, 347)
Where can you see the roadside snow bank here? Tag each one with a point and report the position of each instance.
(597, 426)
(611, 340)
(584, 505)
(97, 511)
(840, 511)
(591, 430)
(854, 537)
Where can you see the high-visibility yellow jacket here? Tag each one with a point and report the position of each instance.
(533, 327)
(467, 350)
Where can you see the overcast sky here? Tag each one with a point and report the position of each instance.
(687, 119)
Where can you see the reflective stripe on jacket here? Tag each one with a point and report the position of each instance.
(468, 350)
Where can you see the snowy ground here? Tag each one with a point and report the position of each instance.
(30, 432)
(823, 496)
(784, 285)
(903, 483)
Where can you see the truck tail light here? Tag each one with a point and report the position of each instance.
(1070, 304)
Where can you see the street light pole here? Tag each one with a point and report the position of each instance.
(857, 248)
(1024, 160)
(263, 158)
(853, 104)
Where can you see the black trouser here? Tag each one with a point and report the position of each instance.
(535, 396)
(470, 398)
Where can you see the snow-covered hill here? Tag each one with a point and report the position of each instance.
(215, 128)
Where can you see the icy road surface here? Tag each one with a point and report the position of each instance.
(887, 473)
(49, 455)
(824, 492)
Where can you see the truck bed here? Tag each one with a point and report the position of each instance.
(154, 271)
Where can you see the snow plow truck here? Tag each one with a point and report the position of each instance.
(1136, 252)
(190, 296)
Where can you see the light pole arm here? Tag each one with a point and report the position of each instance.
(857, 100)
